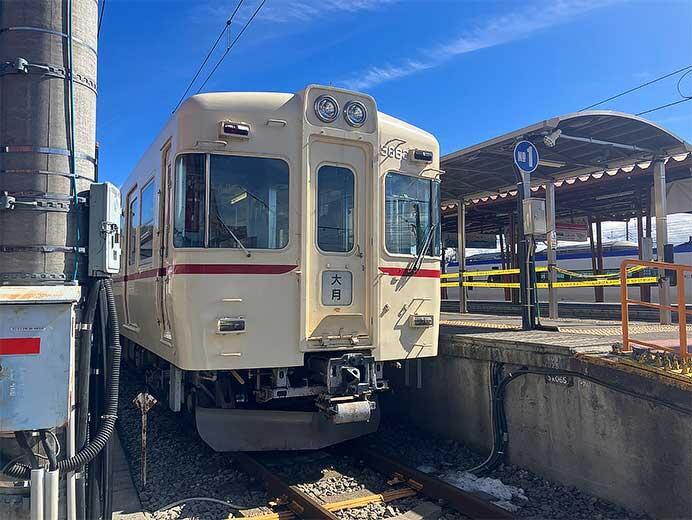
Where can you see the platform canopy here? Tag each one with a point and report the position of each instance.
(572, 146)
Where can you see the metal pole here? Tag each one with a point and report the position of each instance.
(599, 258)
(662, 236)
(552, 253)
(461, 253)
(640, 242)
(523, 185)
(45, 116)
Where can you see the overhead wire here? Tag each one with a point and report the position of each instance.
(684, 97)
(687, 68)
(231, 45)
(226, 27)
(103, 8)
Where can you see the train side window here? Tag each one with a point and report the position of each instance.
(146, 222)
(335, 189)
(411, 208)
(132, 236)
(188, 228)
(248, 202)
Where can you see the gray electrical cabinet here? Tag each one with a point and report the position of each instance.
(37, 334)
(534, 216)
(104, 229)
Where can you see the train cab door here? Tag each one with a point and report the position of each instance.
(338, 303)
(163, 277)
(131, 253)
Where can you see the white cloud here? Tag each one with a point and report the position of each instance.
(284, 11)
(491, 32)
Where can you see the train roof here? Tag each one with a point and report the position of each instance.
(272, 101)
(281, 103)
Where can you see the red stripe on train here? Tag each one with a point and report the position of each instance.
(403, 271)
(232, 268)
(19, 346)
(210, 269)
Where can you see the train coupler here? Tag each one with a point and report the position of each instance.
(344, 410)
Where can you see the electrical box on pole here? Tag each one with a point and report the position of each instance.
(534, 216)
(104, 229)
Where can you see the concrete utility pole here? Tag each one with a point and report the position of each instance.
(45, 153)
(48, 56)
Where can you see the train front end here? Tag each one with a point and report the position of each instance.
(302, 255)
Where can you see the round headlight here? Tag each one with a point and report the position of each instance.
(326, 108)
(355, 113)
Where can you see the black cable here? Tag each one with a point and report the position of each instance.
(651, 82)
(50, 454)
(677, 87)
(228, 49)
(226, 27)
(107, 424)
(23, 442)
(660, 107)
(498, 391)
(103, 8)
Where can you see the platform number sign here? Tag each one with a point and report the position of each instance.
(526, 156)
(337, 288)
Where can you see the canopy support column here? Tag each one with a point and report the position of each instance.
(600, 296)
(461, 253)
(662, 236)
(552, 245)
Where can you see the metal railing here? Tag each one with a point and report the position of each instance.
(681, 308)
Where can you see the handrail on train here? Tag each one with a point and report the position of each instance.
(681, 309)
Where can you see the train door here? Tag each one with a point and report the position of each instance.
(338, 299)
(163, 278)
(131, 253)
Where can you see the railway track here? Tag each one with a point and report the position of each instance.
(292, 502)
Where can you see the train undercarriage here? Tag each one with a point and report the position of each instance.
(330, 399)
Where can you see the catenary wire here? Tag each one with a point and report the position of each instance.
(103, 8)
(226, 27)
(687, 68)
(684, 97)
(228, 49)
(660, 107)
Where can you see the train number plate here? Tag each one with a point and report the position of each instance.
(337, 288)
(559, 380)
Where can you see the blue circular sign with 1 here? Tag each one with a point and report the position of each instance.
(526, 156)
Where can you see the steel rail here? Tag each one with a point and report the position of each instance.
(302, 505)
(463, 501)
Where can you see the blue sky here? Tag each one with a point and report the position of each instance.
(464, 70)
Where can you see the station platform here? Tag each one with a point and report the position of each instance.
(577, 335)
(576, 410)
(579, 310)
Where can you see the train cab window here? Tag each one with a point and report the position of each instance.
(335, 188)
(132, 235)
(248, 202)
(411, 208)
(146, 223)
(188, 228)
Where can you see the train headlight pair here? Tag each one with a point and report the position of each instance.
(327, 110)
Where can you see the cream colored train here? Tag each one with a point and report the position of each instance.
(279, 250)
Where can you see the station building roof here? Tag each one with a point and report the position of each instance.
(600, 161)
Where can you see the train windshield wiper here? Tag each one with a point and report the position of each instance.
(415, 267)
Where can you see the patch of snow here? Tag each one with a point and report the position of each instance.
(426, 468)
(507, 506)
(491, 486)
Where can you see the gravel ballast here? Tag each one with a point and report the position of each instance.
(181, 466)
